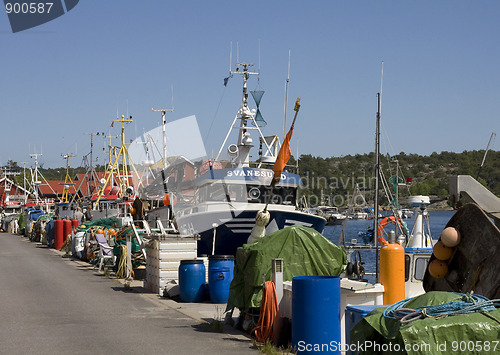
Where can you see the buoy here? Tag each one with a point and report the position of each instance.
(132, 211)
(169, 200)
(441, 251)
(450, 237)
(392, 272)
(438, 268)
(100, 231)
(259, 229)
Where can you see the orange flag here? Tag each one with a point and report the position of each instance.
(282, 159)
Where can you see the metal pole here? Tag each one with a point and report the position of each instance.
(484, 157)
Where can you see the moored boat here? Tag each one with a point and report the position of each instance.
(228, 194)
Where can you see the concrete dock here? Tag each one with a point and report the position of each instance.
(52, 304)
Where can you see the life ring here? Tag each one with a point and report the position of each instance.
(384, 222)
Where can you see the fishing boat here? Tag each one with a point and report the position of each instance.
(228, 194)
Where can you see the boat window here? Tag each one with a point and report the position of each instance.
(237, 192)
(284, 196)
(407, 267)
(216, 192)
(225, 192)
(420, 267)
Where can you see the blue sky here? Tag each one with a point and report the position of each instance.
(65, 79)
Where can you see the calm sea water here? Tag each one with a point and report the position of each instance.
(437, 222)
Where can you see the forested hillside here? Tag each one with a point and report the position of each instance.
(331, 180)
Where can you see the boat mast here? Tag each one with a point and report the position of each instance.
(377, 173)
(286, 93)
(377, 177)
(163, 126)
(67, 179)
(244, 114)
(34, 177)
(24, 181)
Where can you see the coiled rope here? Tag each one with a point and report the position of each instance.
(122, 272)
(465, 303)
(268, 312)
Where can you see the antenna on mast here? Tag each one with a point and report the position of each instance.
(230, 56)
(164, 123)
(381, 83)
(286, 93)
(258, 76)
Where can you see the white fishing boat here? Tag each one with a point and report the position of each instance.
(227, 194)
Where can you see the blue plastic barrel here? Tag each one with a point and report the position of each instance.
(219, 280)
(222, 261)
(192, 280)
(220, 275)
(316, 314)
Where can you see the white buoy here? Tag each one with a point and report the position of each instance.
(259, 230)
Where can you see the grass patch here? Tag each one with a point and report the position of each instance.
(269, 349)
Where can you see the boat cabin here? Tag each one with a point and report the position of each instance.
(251, 185)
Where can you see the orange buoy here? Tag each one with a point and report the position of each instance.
(58, 234)
(132, 211)
(450, 237)
(441, 251)
(392, 272)
(169, 199)
(100, 231)
(438, 268)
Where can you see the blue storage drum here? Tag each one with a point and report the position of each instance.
(220, 275)
(316, 314)
(192, 280)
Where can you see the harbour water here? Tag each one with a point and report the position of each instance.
(437, 222)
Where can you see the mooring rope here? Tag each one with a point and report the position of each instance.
(465, 303)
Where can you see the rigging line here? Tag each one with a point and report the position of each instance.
(215, 115)
(386, 136)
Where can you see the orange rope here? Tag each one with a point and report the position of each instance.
(268, 312)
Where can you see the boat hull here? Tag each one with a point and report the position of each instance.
(231, 232)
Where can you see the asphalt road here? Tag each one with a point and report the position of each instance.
(55, 305)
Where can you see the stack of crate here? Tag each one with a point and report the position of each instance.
(163, 256)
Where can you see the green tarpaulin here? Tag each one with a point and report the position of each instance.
(304, 252)
(474, 333)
